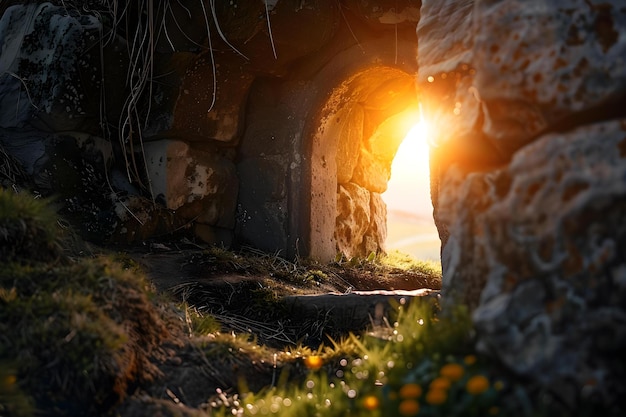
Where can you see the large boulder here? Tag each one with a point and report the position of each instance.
(47, 69)
(528, 182)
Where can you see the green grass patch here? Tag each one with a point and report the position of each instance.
(406, 262)
(421, 365)
(76, 336)
(28, 228)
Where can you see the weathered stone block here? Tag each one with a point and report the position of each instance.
(386, 14)
(554, 270)
(212, 98)
(349, 142)
(376, 234)
(539, 63)
(46, 71)
(262, 211)
(353, 218)
(372, 172)
(528, 182)
(199, 185)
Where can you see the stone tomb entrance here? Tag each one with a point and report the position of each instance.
(351, 156)
(315, 158)
(283, 151)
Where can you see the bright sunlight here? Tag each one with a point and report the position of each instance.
(410, 225)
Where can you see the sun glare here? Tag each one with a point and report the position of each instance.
(410, 164)
(415, 142)
(410, 224)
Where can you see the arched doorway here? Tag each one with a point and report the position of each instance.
(318, 146)
(362, 125)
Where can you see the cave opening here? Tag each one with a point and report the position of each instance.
(369, 177)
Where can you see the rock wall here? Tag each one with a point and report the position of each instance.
(200, 118)
(528, 182)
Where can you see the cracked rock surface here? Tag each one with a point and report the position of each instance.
(528, 182)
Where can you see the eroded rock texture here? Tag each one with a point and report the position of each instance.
(528, 182)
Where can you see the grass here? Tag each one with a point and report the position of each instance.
(399, 260)
(28, 229)
(74, 335)
(424, 366)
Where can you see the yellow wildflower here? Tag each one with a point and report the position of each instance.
(313, 362)
(371, 402)
(477, 385)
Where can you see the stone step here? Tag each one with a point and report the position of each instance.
(336, 314)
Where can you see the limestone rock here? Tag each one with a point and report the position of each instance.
(528, 182)
(553, 304)
(46, 70)
(210, 101)
(386, 14)
(353, 218)
(558, 59)
(372, 172)
(349, 141)
(561, 58)
(376, 234)
(199, 185)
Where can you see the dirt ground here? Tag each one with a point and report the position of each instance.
(280, 303)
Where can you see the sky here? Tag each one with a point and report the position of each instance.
(409, 187)
(410, 224)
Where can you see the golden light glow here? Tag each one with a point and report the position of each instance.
(410, 225)
(416, 141)
(411, 163)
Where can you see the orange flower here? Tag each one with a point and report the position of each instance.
(410, 391)
(470, 360)
(409, 408)
(313, 362)
(436, 396)
(9, 380)
(477, 385)
(371, 402)
(452, 371)
(440, 384)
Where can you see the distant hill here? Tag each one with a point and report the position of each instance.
(412, 233)
(408, 216)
